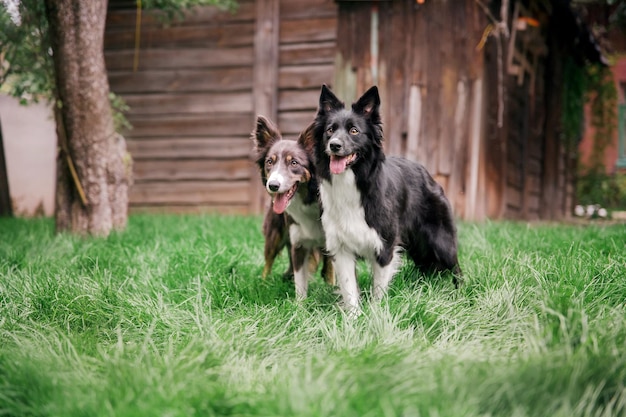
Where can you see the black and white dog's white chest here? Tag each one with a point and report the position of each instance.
(343, 218)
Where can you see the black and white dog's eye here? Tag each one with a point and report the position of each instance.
(329, 130)
(354, 131)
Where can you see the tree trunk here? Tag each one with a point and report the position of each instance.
(93, 169)
(6, 208)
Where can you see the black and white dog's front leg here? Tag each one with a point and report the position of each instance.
(384, 267)
(345, 273)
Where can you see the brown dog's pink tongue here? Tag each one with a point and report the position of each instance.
(338, 164)
(280, 203)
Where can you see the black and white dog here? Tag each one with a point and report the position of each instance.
(375, 206)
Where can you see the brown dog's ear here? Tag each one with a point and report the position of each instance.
(264, 136)
(307, 139)
(329, 101)
(265, 133)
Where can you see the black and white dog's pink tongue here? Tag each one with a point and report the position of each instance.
(280, 203)
(338, 164)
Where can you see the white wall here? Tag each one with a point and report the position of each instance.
(28, 134)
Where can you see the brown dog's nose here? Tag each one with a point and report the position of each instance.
(273, 185)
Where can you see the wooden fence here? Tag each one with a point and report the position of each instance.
(481, 111)
(194, 87)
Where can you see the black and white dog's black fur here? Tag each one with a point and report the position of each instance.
(374, 206)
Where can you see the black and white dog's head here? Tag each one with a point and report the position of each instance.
(284, 164)
(347, 138)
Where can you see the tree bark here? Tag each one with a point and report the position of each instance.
(93, 167)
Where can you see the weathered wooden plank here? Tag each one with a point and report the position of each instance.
(181, 103)
(449, 78)
(513, 198)
(164, 81)
(514, 176)
(414, 123)
(362, 51)
(534, 184)
(180, 58)
(307, 53)
(289, 100)
(207, 124)
(307, 9)
(550, 204)
(236, 34)
(126, 18)
(266, 62)
(432, 57)
(532, 205)
(533, 166)
(459, 144)
(309, 30)
(497, 147)
(191, 169)
(397, 88)
(291, 123)
(185, 148)
(304, 77)
(190, 192)
(266, 40)
(476, 184)
(345, 84)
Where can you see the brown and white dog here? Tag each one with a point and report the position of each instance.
(288, 174)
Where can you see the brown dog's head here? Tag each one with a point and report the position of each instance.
(284, 164)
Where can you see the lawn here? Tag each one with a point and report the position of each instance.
(171, 318)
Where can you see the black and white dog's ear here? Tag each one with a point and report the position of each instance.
(369, 103)
(265, 133)
(329, 101)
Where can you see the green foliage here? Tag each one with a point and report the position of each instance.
(119, 107)
(26, 68)
(592, 84)
(574, 96)
(602, 96)
(172, 318)
(594, 185)
(598, 187)
(177, 6)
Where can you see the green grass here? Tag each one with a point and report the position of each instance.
(171, 318)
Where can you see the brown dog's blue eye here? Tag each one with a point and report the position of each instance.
(269, 161)
(354, 131)
(294, 162)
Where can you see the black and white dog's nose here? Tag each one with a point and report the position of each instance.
(273, 185)
(334, 145)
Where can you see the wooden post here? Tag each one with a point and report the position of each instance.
(265, 90)
(458, 145)
(397, 15)
(474, 209)
(5, 195)
(414, 124)
(549, 206)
